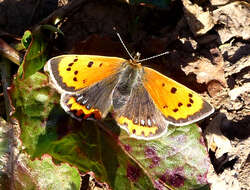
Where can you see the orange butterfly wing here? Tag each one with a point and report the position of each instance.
(86, 83)
(71, 73)
(179, 104)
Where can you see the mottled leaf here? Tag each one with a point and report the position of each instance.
(47, 129)
(178, 160)
(45, 174)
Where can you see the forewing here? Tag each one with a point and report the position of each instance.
(179, 104)
(72, 73)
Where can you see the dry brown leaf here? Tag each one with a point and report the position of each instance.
(91, 183)
(236, 92)
(235, 18)
(199, 21)
(206, 72)
(219, 144)
(224, 181)
(216, 141)
(219, 2)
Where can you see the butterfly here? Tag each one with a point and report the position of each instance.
(143, 101)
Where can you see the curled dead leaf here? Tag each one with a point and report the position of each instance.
(206, 72)
(90, 182)
(219, 2)
(236, 92)
(199, 21)
(233, 18)
(216, 141)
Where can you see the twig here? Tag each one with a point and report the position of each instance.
(5, 79)
(63, 11)
(10, 53)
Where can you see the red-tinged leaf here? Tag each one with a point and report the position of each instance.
(178, 160)
(45, 174)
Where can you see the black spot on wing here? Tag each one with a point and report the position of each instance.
(90, 64)
(173, 90)
(180, 104)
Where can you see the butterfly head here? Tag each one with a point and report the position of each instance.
(135, 60)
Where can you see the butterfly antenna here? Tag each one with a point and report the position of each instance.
(123, 44)
(146, 59)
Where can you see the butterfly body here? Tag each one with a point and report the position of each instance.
(143, 101)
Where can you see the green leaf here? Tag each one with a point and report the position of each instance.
(33, 101)
(177, 160)
(26, 39)
(44, 174)
(35, 56)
